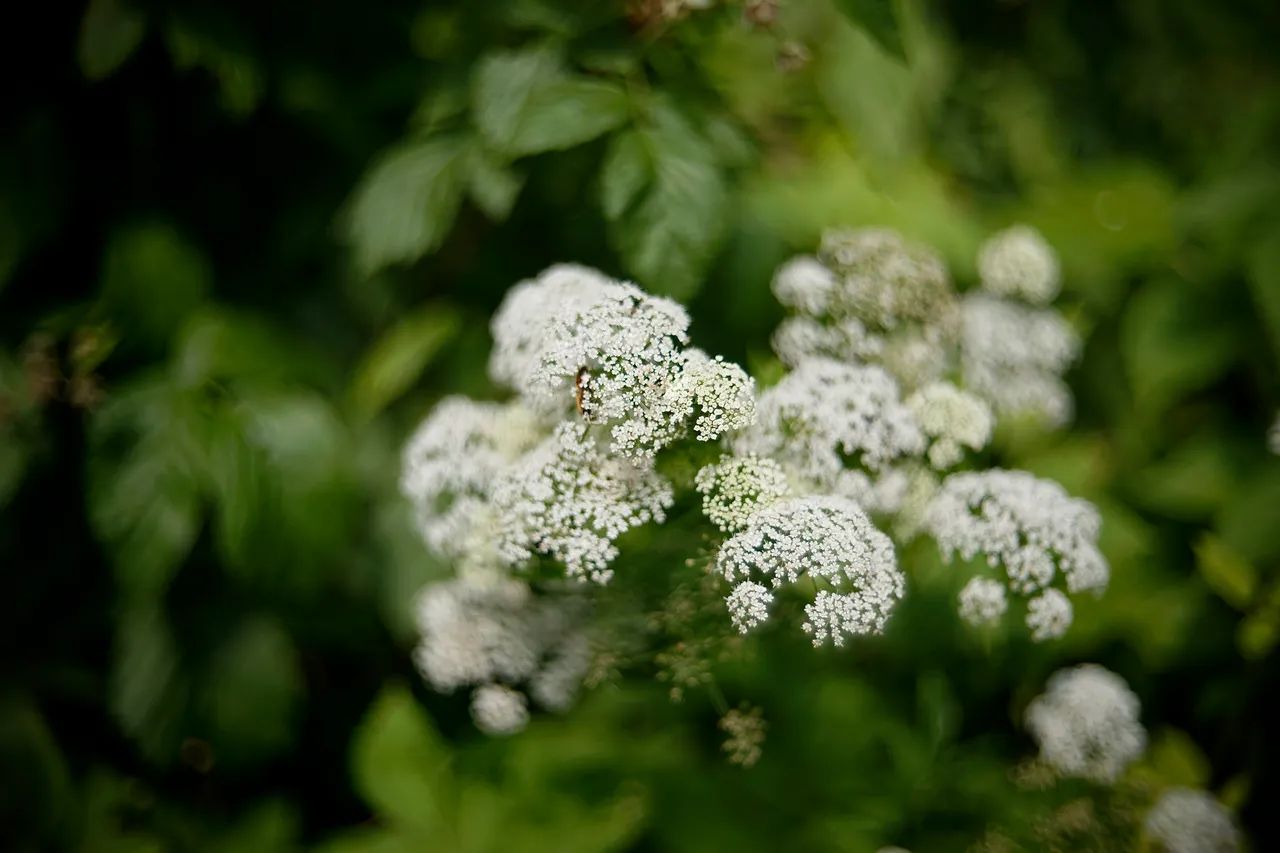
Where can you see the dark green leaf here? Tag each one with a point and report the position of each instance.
(1264, 284)
(501, 86)
(110, 32)
(565, 113)
(148, 691)
(396, 361)
(405, 205)
(221, 346)
(271, 827)
(400, 766)
(1226, 572)
(879, 20)
(494, 184)
(152, 280)
(625, 173)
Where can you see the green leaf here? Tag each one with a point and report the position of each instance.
(404, 206)
(144, 485)
(565, 113)
(396, 361)
(271, 827)
(110, 32)
(38, 805)
(252, 693)
(148, 691)
(1264, 284)
(494, 185)
(1258, 633)
(670, 238)
(625, 173)
(1227, 573)
(501, 86)
(1177, 760)
(152, 280)
(879, 20)
(219, 346)
(370, 841)
(400, 766)
(1190, 483)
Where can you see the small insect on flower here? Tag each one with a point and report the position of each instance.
(580, 389)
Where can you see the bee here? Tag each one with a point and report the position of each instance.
(580, 389)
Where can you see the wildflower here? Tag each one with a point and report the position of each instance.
(745, 728)
(1014, 357)
(800, 338)
(882, 494)
(953, 419)
(734, 489)
(452, 461)
(825, 410)
(805, 284)
(982, 602)
(884, 280)
(831, 540)
(1030, 526)
(1017, 262)
(717, 394)
(1049, 615)
(499, 710)
(567, 500)
(1086, 723)
(1190, 821)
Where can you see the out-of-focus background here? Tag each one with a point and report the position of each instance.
(244, 246)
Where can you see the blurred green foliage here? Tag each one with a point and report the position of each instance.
(244, 246)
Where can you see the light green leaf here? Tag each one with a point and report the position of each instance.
(219, 345)
(670, 238)
(404, 206)
(148, 691)
(252, 693)
(1177, 760)
(400, 766)
(501, 86)
(625, 173)
(494, 184)
(396, 361)
(110, 32)
(1227, 573)
(1258, 633)
(879, 20)
(152, 280)
(1246, 520)
(565, 113)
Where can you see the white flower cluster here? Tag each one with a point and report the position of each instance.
(1087, 723)
(1273, 436)
(1014, 349)
(573, 339)
(953, 419)
(604, 380)
(1032, 528)
(735, 489)
(832, 541)
(1190, 821)
(489, 631)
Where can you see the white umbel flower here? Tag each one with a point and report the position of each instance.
(983, 602)
(824, 411)
(1049, 615)
(885, 281)
(1087, 723)
(953, 419)
(800, 338)
(748, 604)
(831, 540)
(1030, 526)
(735, 489)
(1190, 821)
(718, 395)
(1014, 357)
(567, 500)
(499, 710)
(452, 460)
(1018, 262)
(805, 284)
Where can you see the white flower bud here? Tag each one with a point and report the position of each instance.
(499, 710)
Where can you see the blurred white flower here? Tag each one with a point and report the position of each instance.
(453, 459)
(567, 500)
(1087, 723)
(1049, 615)
(1014, 357)
(824, 411)
(805, 284)
(884, 494)
(1018, 262)
(1190, 821)
(954, 419)
(499, 710)
(885, 281)
(983, 602)
(555, 686)
(800, 338)
(1273, 436)
(832, 541)
(736, 488)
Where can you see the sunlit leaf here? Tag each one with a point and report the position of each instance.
(400, 766)
(396, 361)
(404, 206)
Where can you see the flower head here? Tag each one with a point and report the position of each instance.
(831, 540)
(499, 710)
(1018, 262)
(953, 419)
(1049, 615)
(1086, 723)
(983, 602)
(736, 488)
(1189, 821)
